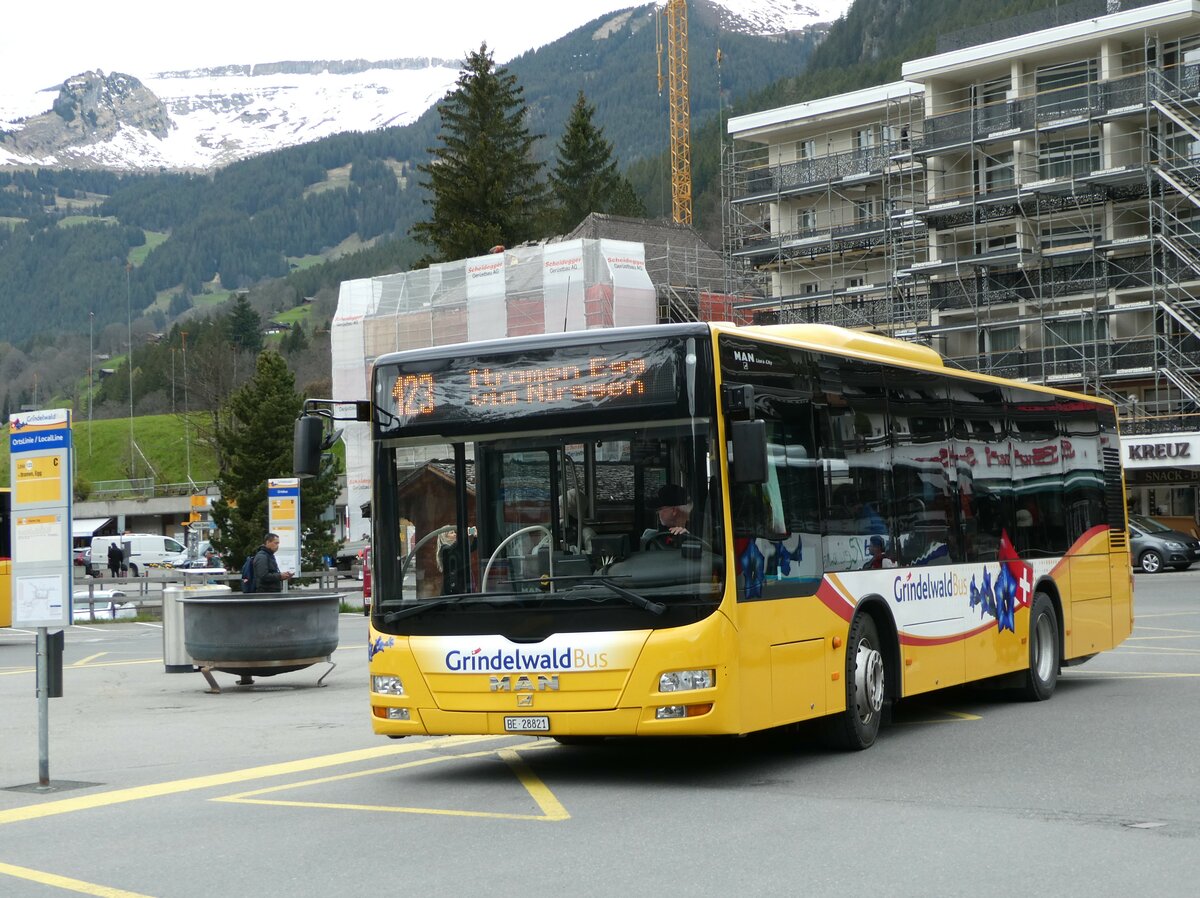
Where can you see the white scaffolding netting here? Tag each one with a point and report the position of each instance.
(569, 286)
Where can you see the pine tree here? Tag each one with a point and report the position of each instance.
(245, 325)
(255, 438)
(585, 178)
(483, 179)
(294, 340)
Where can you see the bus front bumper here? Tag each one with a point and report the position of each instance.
(694, 719)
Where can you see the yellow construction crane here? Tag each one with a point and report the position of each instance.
(677, 73)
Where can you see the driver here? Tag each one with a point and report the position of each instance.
(674, 508)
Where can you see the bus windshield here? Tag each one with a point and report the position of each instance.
(623, 519)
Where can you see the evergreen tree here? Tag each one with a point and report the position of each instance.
(482, 178)
(585, 177)
(245, 325)
(294, 340)
(255, 438)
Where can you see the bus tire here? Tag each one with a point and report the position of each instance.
(866, 688)
(1042, 675)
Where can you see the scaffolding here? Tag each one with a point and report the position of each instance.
(829, 216)
(1041, 224)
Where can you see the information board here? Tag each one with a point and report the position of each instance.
(41, 476)
(283, 518)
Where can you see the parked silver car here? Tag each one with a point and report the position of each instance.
(1153, 545)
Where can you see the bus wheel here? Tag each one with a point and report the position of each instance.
(1042, 676)
(857, 726)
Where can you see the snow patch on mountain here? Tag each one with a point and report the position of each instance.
(777, 16)
(221, 115)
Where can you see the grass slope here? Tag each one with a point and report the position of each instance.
(102, 450)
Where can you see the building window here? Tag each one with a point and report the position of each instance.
(1067, 233)
(864, 138)
(991, 108)
(1067, 157)
(866, 211)
(997, 244)
(806, 149)
(806, 221)
(999, 339)
(810, 287)
(1063, 90)
(995, 172)
(1076, 332)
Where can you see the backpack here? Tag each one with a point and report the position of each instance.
(248, 583)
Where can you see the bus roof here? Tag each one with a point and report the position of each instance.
(816, 337)
(860, 344)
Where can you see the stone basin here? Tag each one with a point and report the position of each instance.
(260, 635)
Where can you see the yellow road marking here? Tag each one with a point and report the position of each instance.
(1158, 638)
(552, 809)
(1189, 613)
(65, 882)
(81, 662)
(1131, 675)
(24, 670)
(954, 717)
(174, 787)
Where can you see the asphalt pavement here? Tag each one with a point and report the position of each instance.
(161, 789)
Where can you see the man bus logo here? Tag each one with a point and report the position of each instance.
(524, 683)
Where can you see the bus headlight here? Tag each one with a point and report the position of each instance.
(386, 684)
(682, 680)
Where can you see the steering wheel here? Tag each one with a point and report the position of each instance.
(665, 540)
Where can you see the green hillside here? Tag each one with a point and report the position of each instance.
(102, 450)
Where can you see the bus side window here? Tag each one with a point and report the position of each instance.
(925, 515)
(856, 461)
(979, 447)
(776, 528)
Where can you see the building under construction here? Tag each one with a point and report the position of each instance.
(608, 272)
(1026, 201)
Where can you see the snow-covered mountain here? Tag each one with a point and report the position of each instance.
(205, 118)
(216, 116)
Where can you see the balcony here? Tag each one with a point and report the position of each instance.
(1088, 277)
(1060, 364)
(767, 182)
(858, 236)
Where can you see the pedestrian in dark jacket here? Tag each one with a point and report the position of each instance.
(115, 559)
(267, 576)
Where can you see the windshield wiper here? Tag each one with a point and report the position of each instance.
(631, 597)
(411, 610)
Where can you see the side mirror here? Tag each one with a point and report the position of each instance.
(749, 440)
(307, 438)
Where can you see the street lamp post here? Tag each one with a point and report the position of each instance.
(91, 369)
(129, 364)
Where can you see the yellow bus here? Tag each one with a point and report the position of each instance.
(702, 529)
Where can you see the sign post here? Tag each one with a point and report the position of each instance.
(283, 518)
(41, 478)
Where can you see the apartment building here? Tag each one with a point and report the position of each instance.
(1026, 201)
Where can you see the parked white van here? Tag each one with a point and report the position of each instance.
(141, 550)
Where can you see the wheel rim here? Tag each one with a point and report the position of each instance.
(1151, 563)
(1043, 648)
(868, 681)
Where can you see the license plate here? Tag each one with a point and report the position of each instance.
(527, 724)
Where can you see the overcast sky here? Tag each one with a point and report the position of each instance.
(41, 43)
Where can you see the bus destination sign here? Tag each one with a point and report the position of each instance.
(479, 389)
